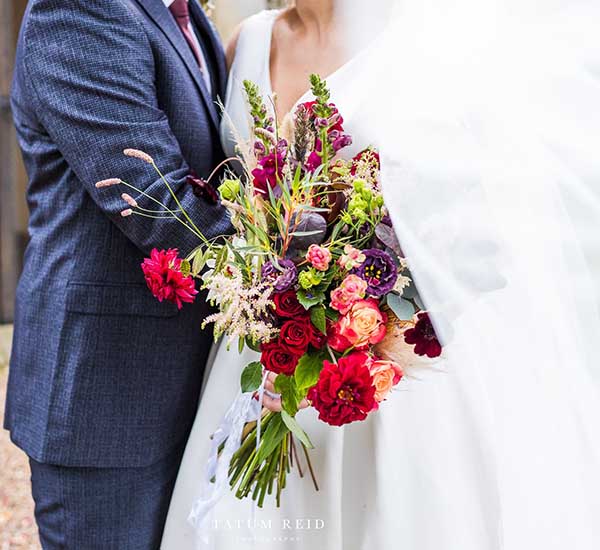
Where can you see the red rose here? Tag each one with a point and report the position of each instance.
(279, 358)
(296, 333)
(287, 305)
(345, 392)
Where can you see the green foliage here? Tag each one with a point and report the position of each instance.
(310, 298)
(318, 318)
(251, 377)
(308, 371)
(295, 428)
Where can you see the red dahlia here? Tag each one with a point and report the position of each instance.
(423, 337)
(345, 392)
(165, 280)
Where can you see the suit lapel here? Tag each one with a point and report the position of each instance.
(209, 31)
(161, 16)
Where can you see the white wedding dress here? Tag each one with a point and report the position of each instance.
(498, 446)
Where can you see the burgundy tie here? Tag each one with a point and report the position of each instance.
(181, 11)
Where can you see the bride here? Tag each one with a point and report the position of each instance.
(498, 446)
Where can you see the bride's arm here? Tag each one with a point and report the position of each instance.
(232, 45)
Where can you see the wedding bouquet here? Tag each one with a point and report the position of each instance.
(313, 280)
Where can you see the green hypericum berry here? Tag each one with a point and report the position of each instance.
(229, 189)
(309, 278)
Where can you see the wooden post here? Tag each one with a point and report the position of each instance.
(9, 256)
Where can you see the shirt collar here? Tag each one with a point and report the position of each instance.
(167, 3)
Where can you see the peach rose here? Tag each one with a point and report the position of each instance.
(352, 289)
(386, 374)
(363, 325)
(318, 257)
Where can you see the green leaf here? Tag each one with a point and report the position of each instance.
(254, 346)
(308, 370)
(272, 437)
(310, 298)
(318, 318)
(286, 386)
(185, 268)
(199, 261)
(251, 377)
(403, 309)
(332, 314)
(295, 428)
(221, 259)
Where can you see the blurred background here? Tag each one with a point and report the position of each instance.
(17, 528)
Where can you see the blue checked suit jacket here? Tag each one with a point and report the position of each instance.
(101, 374)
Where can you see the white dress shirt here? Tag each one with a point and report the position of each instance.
(205, 73)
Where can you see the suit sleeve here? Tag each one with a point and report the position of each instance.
(91, 74)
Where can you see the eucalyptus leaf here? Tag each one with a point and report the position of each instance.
(296, 429)
(402, 308)
(251, 377)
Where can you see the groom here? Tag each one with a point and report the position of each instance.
(104, 380)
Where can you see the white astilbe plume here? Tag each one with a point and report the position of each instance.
(243, 309)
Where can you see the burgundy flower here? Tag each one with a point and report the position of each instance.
(268, 172)
(203, 189)
(279, 358)
(423, 337)
(379, 271)
(345, 392)
(313, 161)
(283, 276)
(165, 280)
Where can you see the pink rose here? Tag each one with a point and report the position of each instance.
(318, 257)
(363, 325)
(386, 374)
(351, 258)
(352, 289)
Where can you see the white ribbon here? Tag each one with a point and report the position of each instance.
(244, 409)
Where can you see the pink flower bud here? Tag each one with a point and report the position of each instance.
(127, 212)
(129, 200)
(108, 182)
(136, 153)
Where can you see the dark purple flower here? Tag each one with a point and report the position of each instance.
(379, 271)
(423, 337)
(282, 276)
(203, 189)
(259, 148)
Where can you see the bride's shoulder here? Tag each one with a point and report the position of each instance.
(257, 26)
